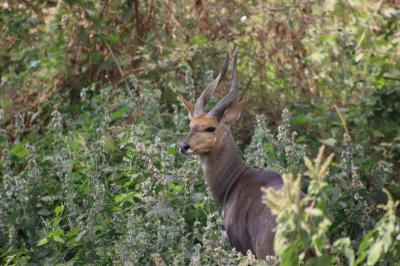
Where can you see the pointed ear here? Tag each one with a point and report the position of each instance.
(233, 112)
(189, 106)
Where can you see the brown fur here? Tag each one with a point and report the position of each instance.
(199, 139)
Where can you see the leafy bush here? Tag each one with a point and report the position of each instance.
(304, 223)
(90, 118)
(96, 190)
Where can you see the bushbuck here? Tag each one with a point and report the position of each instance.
(235, 186)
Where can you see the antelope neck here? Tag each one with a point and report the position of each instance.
(222, 169)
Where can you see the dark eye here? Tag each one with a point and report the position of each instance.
(210, 129)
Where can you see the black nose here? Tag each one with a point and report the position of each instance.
(183, 148)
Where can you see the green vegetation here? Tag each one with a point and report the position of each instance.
(90, 120)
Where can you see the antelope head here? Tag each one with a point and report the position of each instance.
(208, 130)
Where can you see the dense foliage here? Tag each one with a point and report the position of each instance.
(90, 120)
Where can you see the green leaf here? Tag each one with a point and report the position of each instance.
(175, 187)
(290, 255)
(109, 144)
(73, 232)
(124, 197)
(42, 242)
(58, 239)
(74, 146)
(19, 151)
(59, 209)
(172, 150)
(367, 240)
(301, 120)
(319, 261)
(121, 112)
(200, 40)
(269, 150)
(374, 253)
(4, 103)
(361, 258)
(319, 245)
